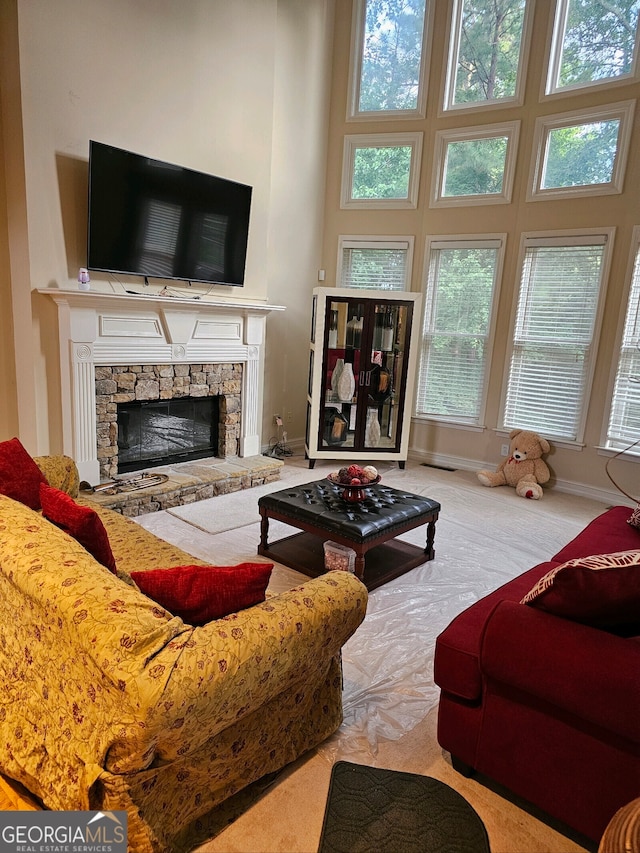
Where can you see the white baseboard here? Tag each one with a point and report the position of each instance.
(461, 463)
(605, 496)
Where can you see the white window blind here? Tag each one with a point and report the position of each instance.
(454, 357)
(553, 336)
(624, 419)
(378, 266)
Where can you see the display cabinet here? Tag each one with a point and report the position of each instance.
(362, 366)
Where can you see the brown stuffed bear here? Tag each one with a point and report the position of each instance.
(523, 468)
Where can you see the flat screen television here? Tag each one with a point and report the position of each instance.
(156, 219)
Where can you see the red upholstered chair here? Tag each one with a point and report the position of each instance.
(546, 706)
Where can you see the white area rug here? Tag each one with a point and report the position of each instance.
(484, 538)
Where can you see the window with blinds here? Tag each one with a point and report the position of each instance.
(554, 335)
(375, 264)
(624, 419)
(460, 295)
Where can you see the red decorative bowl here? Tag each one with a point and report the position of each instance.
(353, 494)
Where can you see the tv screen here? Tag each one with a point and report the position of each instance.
(155, 219)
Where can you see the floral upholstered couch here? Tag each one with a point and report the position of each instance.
(110, 702)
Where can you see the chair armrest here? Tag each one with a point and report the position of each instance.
(584, 671)
(61, 473)
(231, 667)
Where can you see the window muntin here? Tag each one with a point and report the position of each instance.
(381, 170)
(555, 331)
(474, 165)
(375, 263)
(594, 42)
(487, 53)
(389, 58)
(581, 153)
(460, 297)
(623, 429)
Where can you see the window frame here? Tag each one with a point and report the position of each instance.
(567, 237)
(355, 141)
(555, 42)
(358, 24)
(622, 446)
(447, 106)
(363, 241)
(510, 129)
(622, 110)
(462, 241)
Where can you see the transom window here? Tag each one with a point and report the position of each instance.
(594, 42)
(381, 170)
(382, 263)
(581, 153)
(624, 419)
(459, 317)
(487, 53)
(474, 165)
(388, 58)
(555, 333)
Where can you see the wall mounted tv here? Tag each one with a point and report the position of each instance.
(155, 219)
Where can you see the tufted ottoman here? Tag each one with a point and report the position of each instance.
(369, 527)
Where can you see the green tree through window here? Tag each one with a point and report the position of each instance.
(475, 167)
(488, 56)
(391, 55)
(599, 40)
(581, 155)
(382, 172)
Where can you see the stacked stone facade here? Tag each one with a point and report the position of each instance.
(126, 384)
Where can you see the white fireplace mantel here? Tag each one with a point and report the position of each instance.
(99, 328)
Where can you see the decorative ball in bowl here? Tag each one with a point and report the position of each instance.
(354, 479)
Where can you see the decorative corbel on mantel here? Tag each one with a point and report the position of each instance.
(96, 328)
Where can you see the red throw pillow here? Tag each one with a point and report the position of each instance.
(20, 477)
(199, 594)
(81, 522)
(602, 591)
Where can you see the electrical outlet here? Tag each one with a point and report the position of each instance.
(504, 450)
(289, 417)
(277, 420)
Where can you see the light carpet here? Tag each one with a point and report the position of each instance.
(484, 537)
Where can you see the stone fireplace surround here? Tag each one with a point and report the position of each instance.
(100, 329)
(128, 383)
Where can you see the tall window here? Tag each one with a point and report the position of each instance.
(594, 42)
(378, 263)
(487, 53)
(461, 287)
(555, 331)
(388, 63)
(624, 419)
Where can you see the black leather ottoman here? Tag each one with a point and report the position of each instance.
(369, 527)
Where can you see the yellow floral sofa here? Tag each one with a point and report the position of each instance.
(108, 702)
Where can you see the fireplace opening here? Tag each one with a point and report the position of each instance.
(160, 432)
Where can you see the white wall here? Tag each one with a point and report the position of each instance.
(237, 89)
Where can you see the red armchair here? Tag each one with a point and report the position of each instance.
(545, 706)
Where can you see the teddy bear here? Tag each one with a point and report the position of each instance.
(523, 468)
